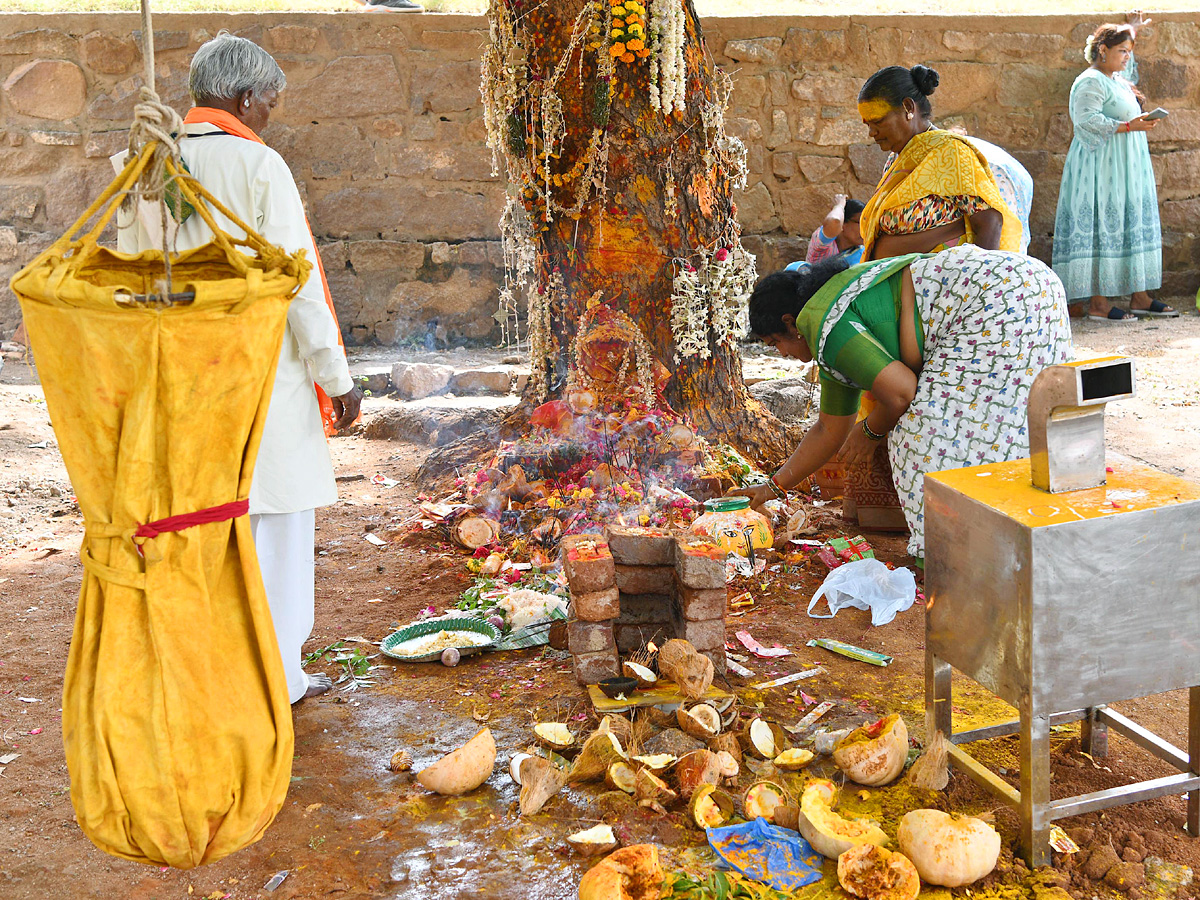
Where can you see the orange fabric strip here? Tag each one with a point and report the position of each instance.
(231, 124)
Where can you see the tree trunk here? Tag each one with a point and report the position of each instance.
(612, 198)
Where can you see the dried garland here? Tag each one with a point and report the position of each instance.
(714, 291)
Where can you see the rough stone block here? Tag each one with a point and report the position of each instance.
(416, 380)
(748, 92)
(453, 87)
(588, 563)
(821, 86)
(819, 169)
(756, 209)
(596, 607)
(645, 579)
(439, 253)
(808, 46)
(699, 604)
(1025, 85)
(108, 54)
(639, 609)
(781, 131)
(708, 634)
(590, 637)
(492, 380)
(350, 86)
(47, 89)
(845, 131)
(963, 86)
(700, 565)
(18, 202)
(368, 257)
(755, 50)
(103, 144)
(37, 42)
(56, 138)
(293, 38)
(8, 243)
(631, 637)
(801, 209)
(640, 547)
(591, 668)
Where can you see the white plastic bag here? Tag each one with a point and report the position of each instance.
(866, 584)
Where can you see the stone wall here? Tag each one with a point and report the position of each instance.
(382, 126)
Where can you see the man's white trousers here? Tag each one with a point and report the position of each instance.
(284, 542)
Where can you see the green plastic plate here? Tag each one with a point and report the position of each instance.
(433, 626)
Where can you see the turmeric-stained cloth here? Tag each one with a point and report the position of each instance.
(778, 857)
(176, 723)
(937, 178)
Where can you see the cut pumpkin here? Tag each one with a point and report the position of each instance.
(830, 834)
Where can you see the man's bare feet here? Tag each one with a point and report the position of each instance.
(317, 684)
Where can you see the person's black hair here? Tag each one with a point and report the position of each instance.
(785, 293)
(895, 84)
(853, 208)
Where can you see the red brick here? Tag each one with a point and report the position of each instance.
(701, 603)
(700, 567)
(634, 637)
(718, 659)
(589, 637)
(706, 635)
(593, 667)
(593, 571)
(633, 548)
(596, 607)
(646, 579)
(639, 608)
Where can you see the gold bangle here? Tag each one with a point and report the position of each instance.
(871, 435)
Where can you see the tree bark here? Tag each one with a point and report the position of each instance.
(659, 198)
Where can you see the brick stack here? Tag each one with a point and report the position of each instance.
(632, 585)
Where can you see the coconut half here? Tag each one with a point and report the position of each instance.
(514, 766)
(761, 800)
(599, 751)
(645, 678)
(729, 765)
(554, 735)
(594, 841)
(701, 721)
(709, 807)
(648, 786)
(793, 760)
(765, 739)
(658, 763)
(621, 776)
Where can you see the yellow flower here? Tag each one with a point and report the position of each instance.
(617, 50)
(616, 33)
(637, 31)
(587, 493)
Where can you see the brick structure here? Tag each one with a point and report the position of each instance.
(633, 585)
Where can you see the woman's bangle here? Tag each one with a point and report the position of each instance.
(869, 433)
(1124, 127)
(776, 489)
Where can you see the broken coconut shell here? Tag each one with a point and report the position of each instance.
(599, 751)
(514, 766)
(540, 780)
(618, 725)
(874, 754)
(727, 742)
(621, 776)
(730, 767)
(401, 761)
(697, 768)
(631, 873)
(787, 816)
(761, 800)
(463, 769)
(657, 762)
(764, 739)
(645, 677)
(873, 873)
(648, 786)
(701, 721)
(691, 671)
(594, 841)
(709, 807)
(793, 760)
(554, 735)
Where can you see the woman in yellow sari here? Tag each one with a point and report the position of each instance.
(938, 190)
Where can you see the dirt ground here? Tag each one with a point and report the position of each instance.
(352, 828)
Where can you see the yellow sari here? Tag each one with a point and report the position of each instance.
(937, 163)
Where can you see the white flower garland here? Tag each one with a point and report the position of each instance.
(668, 64)
(720, 283)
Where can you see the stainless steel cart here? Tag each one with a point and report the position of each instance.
(1062, 587)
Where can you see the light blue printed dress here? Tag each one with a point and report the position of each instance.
(1107, 237)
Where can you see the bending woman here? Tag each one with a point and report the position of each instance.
(938, 189)
(948, 343)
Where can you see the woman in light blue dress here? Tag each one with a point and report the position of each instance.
(1107, 238)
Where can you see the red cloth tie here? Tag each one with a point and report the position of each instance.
(200, 517)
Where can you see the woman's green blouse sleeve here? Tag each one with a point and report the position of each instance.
(838, 399)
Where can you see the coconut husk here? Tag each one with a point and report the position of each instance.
(701, 721)
(931, 771)
(692, 672)
(787, 816)
(729, 743)
(659, 718)
(599, 751)
(540, 780)
(649, 786)
(620, 726)
(697, 768)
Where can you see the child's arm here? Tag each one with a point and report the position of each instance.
(832, 226)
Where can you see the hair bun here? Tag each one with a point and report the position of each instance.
(925, 78)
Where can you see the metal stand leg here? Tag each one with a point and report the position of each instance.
(937, 697)
(1035, 788)
(1193, 797)
(1093, 733)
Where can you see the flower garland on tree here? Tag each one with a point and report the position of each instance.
(716, 291)
(668, 64)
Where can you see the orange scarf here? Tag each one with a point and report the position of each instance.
(231, 124)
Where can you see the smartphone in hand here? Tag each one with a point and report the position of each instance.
(1157, 113)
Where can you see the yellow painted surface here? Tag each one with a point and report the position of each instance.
(1006, 488)
(663, 692)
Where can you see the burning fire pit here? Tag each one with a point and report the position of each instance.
(633, 585)
(1062, 587)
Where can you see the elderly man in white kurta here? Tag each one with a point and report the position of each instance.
(235, 84)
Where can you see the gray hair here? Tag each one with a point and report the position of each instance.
(228, 65)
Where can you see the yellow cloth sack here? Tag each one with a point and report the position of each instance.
(176, 722)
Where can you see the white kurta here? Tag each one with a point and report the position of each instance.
(293, 471)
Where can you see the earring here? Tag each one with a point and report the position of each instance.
(909, 117)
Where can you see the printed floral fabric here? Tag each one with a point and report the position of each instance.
(992, 321)
(1107, 235)
(929, 212)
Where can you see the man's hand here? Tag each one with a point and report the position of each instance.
(346, 407)
(1136, 20)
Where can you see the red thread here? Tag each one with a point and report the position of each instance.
(220, 513)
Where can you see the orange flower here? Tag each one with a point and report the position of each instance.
(617, 49)
(628, 58)
(635, 45)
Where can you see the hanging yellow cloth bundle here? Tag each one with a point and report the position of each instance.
(176, 723)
